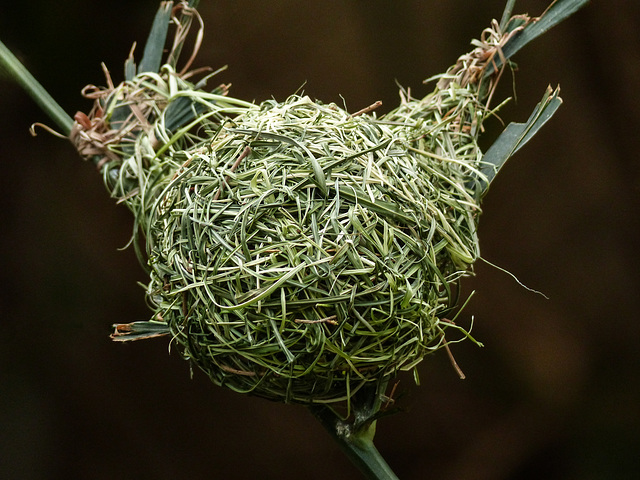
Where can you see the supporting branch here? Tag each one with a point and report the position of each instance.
(357, 445)
(355, 437)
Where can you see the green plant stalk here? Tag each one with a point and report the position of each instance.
(358, 446)
(21, 75)
(355, 435)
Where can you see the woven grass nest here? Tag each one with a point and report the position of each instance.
(303, 252)
(296, 251)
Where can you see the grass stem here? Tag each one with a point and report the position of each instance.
(357, 445)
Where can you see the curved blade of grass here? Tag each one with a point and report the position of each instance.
(317, 170)
(517, 134)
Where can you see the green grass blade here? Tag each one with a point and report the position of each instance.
(506, 15)
(517, 134)
(139, 331)
(556, 13)
(16, 71)
(154, 48)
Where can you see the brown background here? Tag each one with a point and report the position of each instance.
(555, 392)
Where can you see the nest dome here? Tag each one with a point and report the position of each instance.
(301, 252)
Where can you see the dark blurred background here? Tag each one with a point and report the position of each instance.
(554, 393)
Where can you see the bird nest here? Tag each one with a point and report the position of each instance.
(296, 251)
(300, 252)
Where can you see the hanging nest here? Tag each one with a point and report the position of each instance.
(296, 251)
(300, 251)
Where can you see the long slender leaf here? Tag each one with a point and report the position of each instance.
(154, 48)
(506, 15)
(556, 13)
(517, 134)
(12, 68)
